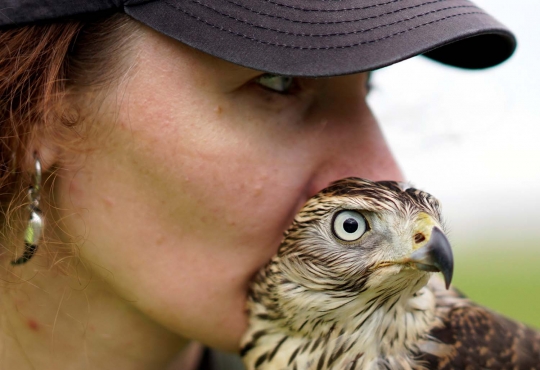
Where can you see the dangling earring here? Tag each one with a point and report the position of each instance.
(32, 234)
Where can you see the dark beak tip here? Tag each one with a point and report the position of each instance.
(436, 256)
(447, 279)
(443, 255)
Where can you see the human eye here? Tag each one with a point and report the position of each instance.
(279, 84)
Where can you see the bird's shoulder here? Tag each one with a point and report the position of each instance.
(469, 336)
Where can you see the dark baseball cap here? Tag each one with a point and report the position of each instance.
(304, 37)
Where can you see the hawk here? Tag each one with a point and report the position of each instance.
(351, 287)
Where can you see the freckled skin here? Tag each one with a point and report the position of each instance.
(221, 183)
(33, 325)
(199, 171)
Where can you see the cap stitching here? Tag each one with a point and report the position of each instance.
(331, 34)
(318, 23)
(138, 2)
(269, 43)
(337, 33)
(329, 10)
(332, 0)
(323, 10)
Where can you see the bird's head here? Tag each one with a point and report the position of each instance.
(359, 237)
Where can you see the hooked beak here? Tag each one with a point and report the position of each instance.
(435, 256)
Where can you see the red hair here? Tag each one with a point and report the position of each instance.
(38, 64)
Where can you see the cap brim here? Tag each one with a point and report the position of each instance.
(328, 38)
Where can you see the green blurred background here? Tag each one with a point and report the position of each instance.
(502, 275)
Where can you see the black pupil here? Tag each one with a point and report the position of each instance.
(350, 225)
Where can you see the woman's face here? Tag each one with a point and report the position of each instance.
(193, 171)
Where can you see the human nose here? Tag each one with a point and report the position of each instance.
(351, 144)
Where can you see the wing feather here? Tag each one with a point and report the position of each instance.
(481, 339)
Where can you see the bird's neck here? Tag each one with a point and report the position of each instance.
(375, 327)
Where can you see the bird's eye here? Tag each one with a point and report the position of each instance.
(349, 225)
(280, 84)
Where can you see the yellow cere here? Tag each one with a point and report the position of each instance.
(424, 225)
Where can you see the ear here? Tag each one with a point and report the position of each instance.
(42, 148)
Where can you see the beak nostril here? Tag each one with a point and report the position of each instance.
(419, 238)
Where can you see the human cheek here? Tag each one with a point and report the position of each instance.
(226, 181)
(247, 199)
